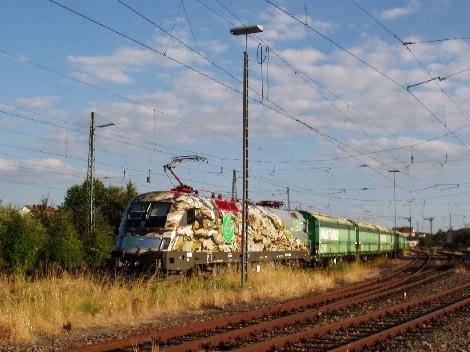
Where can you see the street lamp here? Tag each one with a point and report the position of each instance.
(245, 30)
(395, 204)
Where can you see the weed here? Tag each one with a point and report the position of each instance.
(34, 308)
(90, 307)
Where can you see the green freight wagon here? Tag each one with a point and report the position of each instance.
(367, 238)
(401, 242)
(387, 239)
(330, 236)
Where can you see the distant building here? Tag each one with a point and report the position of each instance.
(406, 231)
(38, 209)
(422, 234)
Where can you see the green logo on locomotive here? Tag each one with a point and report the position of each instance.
(228, 229)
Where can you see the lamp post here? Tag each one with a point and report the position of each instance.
(395, 205)
(245, 30)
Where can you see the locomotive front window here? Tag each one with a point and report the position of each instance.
(147, 214)
(157, 214)
(137, 211)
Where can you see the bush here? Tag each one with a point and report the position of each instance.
(22, 239)
(64, 248)
(98, 246)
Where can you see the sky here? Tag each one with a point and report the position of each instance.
(336, 101)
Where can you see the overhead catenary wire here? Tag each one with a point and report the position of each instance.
(431, 78)
(432, 41)
(131, 101)
(370, 66)
(286, 160)
(273, 106)
(25, 60)
(102, 163)
(309, 80)
(263, 179)
(429, 139)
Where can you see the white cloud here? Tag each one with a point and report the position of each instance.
(113, 68)
(426, 155)
(204, 103)
(29, 170)
(41, 102)
(7, 166)
(398, 12)
(278, 26)
(192, 106)
(119, 66)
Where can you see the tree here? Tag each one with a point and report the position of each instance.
(110, 204)
(99, 246)
(114, 202)
(22, 240)
(109, 201)
(64, 248)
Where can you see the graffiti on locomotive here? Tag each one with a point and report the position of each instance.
(175, 221)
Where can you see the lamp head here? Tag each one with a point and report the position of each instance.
(244, 30)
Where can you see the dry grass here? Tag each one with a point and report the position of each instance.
(460, 269)
(50, 306)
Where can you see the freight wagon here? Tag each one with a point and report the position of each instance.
(179, 231)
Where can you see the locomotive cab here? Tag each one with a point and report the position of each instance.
(142, 227)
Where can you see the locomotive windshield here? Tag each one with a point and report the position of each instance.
(147, 214)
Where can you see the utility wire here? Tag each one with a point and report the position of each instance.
(435, 40)
(273, 105)
(317, 85)
(148, 47)
(277, 108)
(308, 80)
(381, 73)
(416, 59)
(190, 25)
(121, 97)
(132, 101)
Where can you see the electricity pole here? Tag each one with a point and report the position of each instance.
(430, 229)
(90, 177)
(245, 30)
(409, 201)
(395, 206)
(234, 185)
(90, 174)
(288, 199)
(430, 219)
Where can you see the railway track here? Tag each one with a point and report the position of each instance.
(230, 332)
(365, 331)
(307, 323)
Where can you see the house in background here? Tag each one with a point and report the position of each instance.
(406, 231)
(38, 209)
